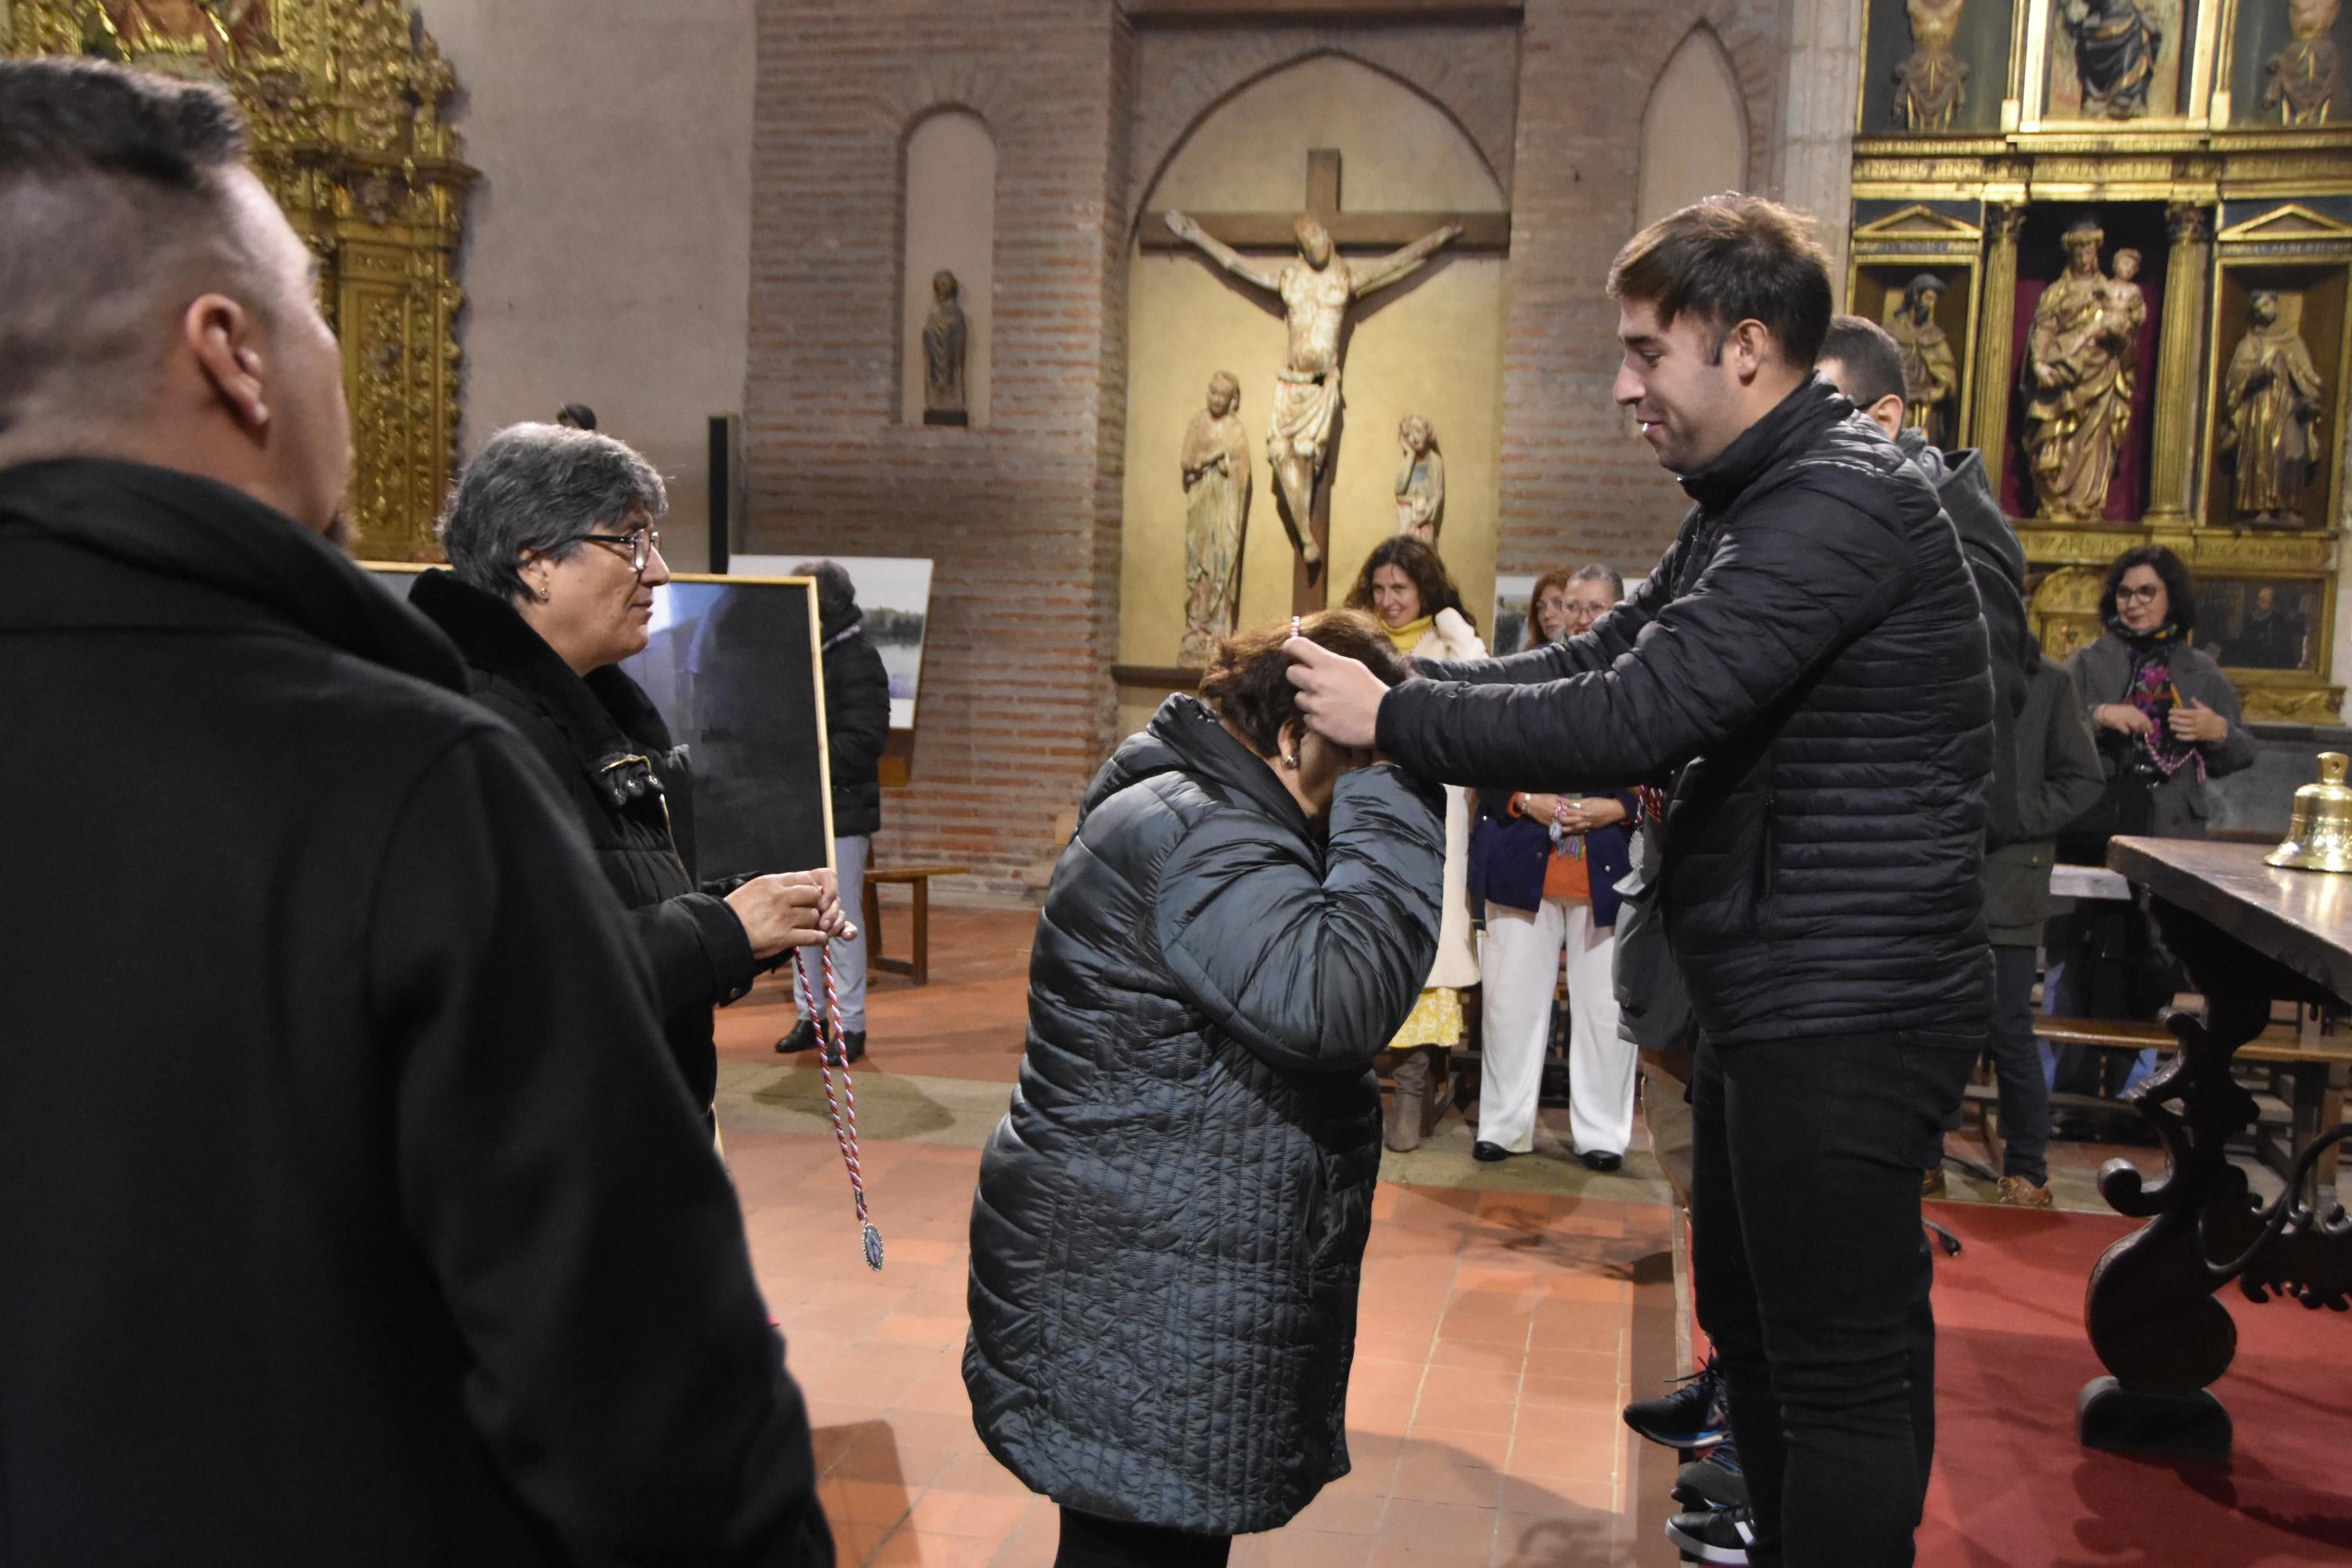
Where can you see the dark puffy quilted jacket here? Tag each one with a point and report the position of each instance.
(1171, 1222)
(1809, 662)
(857, 726)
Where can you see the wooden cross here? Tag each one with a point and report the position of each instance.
(1481, 231)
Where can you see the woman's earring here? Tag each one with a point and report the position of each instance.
(1291, 762)
(541, 592)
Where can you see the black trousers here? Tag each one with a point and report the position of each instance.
(1813, 1275)
(2017, 1066)
(1090, 1540)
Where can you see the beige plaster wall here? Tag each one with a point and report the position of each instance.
(951, 224)
(1694, 130)
(608, 249)
(1431, 345)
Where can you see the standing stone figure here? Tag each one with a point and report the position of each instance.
(2078, 375)
(2270, 400)
(945, 338)
(2115, 46)
(1931, 374)
(1316, 292)
(1216, 510)
(2302, 85)
(1421, 482)
(1931, 87)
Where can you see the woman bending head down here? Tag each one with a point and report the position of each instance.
(1171, 1222)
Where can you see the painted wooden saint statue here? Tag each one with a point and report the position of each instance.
(2270, 400)
(1316, 292)
(946, 339)
(1931, 87)
(2116, 45)
(2301, 82)
(1931, 373)
(1421, 480)
(2080, 363)
(1216, 512)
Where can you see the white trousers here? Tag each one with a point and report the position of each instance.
(1518, 969)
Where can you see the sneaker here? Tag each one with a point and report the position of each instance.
(1717, 1535)
(1692, 1416)
(1714, 1481)
(852, 1048)
(2020, 1194)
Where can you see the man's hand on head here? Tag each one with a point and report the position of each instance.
(1340, 697)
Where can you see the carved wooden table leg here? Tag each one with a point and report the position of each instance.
(2150, 1310)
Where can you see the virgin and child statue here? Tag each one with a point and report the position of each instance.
(2080, 362)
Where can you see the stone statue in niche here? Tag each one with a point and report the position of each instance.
(945, 339)
(1216, 511)
(2115, 46)
(1421, 480)
(1931, 87)
(2079, 363)
(2271, 401)
(1316, 292)
(1931, 373)
(2302, 76)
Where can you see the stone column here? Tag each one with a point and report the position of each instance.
(1812, 161)
(2179, 356)
(1995, 317)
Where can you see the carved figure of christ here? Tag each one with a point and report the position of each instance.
(1316, 292)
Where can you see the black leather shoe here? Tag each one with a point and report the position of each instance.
(853, 1049)
(1599, 1160)
(1489, 1153)
(802, 1038)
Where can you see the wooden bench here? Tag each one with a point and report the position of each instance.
(2313, 1067)
(917, 967)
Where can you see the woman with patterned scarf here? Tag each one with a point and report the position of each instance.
(2168, 719)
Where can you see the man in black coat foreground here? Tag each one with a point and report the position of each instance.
(349, 1209)
(1808, 663)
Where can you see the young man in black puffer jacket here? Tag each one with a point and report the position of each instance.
(1808, 664)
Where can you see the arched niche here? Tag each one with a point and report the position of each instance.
(1694, 128)
(1430, 346)
(948, 224)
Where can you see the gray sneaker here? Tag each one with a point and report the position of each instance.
(1720, 1535)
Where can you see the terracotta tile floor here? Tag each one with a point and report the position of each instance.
(1496, 1341)
(1493, 1357)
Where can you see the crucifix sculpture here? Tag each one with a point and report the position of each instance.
(1316, 292)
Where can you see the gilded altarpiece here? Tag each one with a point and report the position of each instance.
(344, 97)
(2141, 212)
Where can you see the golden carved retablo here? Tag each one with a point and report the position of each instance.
(344, 98)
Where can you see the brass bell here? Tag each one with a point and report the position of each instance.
(2319, 834)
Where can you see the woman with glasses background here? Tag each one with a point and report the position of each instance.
(553, 561)
(1547, 866)
(2167, 721)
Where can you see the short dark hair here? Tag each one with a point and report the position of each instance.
(111, 187)
(577, 415)
(1419, 560)
(1732, 258)
(2179, 588)
(836, 591)
(1867, 352)
(1248, 681)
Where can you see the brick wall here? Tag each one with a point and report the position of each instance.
(1576, 484)
(1021, 516)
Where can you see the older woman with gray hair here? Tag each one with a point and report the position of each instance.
(553, 561)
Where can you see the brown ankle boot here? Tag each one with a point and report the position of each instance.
(1409, 1112)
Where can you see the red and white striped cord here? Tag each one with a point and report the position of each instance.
(844, 1128)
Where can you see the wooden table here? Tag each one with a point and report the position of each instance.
(917, 966)
(2247, 934)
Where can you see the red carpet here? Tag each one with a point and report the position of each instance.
(2013, 1489)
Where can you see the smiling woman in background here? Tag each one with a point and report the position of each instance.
(553, 562)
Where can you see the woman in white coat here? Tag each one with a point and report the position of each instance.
(1406, 586)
